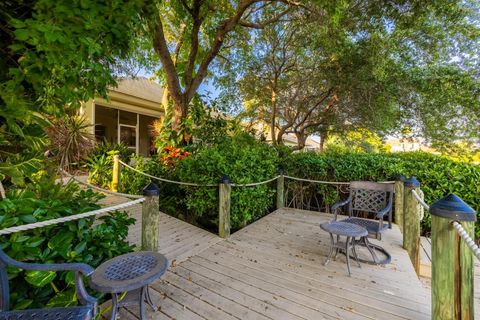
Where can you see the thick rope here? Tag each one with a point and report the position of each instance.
(191, 184)
(50, 222)
(468, 240)
(126, 195)
(317, 181)
(255, 183)
(420, 200)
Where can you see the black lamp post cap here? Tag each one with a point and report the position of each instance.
(151, 190)
(454, 208)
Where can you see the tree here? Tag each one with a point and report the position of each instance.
(375, 65)
(55, 54)
(189, 35)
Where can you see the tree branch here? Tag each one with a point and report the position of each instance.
(262, 25)
(161, 48)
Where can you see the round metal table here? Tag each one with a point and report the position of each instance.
(349, 230)
(131, 273)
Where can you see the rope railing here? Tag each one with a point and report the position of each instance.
(191, 184)
(255, 183)
(50, 222)
(126, 195)
(317, 181)
(468, 240)
(420, 200)
(458, 227)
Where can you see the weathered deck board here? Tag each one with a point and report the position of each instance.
(178, 240)
(273, 269)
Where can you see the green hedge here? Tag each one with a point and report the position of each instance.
(438, 175)
(246, 160)
(241, 158)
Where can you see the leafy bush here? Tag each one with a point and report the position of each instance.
(243, 160)
(75, 241)
(100, 162)
(438, 175)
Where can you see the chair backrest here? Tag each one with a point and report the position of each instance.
(370, 196)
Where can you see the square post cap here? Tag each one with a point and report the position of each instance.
(453, 208)
(151, 190)
(225, 179)
(411, 182)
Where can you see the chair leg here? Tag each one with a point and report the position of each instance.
(372, 252)
(332, 245)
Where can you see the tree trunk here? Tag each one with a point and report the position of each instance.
(301, 139)
(323, 137)
(273, 121)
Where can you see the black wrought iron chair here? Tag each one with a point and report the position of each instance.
(373, 200)
(87, 310)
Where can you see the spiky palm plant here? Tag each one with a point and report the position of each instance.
(70, 140)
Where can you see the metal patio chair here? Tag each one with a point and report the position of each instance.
(87, 310)
(369, 199)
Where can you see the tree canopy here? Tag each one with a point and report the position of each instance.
(376, 65)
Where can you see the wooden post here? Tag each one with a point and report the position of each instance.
(150, 218)
(399, 193)
(452, 260)
(115, 173)
(411, 222)
(281, 190)
(224, 207)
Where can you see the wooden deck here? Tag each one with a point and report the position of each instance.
(273, 269)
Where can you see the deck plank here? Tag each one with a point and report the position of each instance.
(273, 269)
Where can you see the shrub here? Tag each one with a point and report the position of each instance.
(243, 160)
(100, 162)
(75, 241)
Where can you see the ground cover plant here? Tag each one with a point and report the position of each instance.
(75, 241)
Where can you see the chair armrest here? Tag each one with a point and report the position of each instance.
(81, 269)
(384, 211)
(341, 203)
(338, 205)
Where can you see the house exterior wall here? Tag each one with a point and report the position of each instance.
(136, 102)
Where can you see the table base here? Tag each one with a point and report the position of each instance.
(134, 297)
(372, 249)
(347, 247)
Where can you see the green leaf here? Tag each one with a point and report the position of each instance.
(66, 298)
(22, 34)
(40, 278)
(23, 304)
(61, 241)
